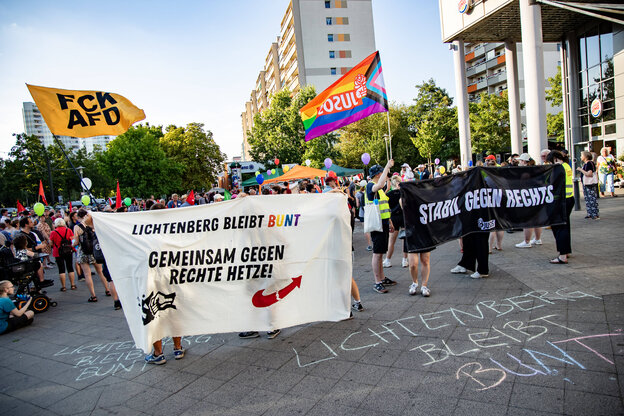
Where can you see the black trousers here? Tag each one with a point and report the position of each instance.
(476, 250)
(562, 234)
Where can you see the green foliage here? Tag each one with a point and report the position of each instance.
(367, 136)
(138, 161)
(278, 132)
(555, 127)
(434, 123)
(489, 124)
(554, 94)
(196, 151)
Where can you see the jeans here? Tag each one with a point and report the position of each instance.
(606, 182)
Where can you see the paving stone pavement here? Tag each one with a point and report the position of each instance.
(532, 339)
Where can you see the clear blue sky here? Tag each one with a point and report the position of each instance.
(192, 61)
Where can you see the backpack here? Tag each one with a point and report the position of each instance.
(86, 240)
(65, 246)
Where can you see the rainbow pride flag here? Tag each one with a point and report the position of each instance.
(357, 95)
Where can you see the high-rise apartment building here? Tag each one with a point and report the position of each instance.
(35, 125)
(319, 41)
(486, 70)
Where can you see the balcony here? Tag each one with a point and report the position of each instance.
(497, 78)
(496, 61)
(479, 67)
(476, 53)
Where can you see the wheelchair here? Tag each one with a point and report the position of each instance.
(23, 275)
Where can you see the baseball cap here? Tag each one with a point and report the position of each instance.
(405, 165)
(525, 157)
(363, 182)
(375, 170)
(490, 157)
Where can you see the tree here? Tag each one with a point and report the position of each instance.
(278, 132)
(554, 94)
(137, 160)
(195, 150)
(489, 124)
(434, 123)
(367, 135)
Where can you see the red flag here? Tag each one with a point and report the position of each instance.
(191, 198)
(118, 197)
(70, 207)
(20, 207)
(41, 194)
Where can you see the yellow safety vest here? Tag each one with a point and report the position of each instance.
(569, 180)
(384, 207)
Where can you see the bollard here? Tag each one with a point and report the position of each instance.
(577, 195)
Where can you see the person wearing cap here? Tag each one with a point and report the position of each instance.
(374, 190)
(423, 173)
(330, 184)
(218, 197)
(406, 173)
(523, 160)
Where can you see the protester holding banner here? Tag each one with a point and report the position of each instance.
(396, 218)
(561, 232)
(375, 191)
(590, 185)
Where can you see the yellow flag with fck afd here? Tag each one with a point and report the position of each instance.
(85, 113)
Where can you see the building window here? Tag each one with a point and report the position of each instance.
(332, 71)
(328, 21)
(328, 4)
(330, 37)
(332, 54)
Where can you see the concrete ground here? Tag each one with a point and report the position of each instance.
(532, 339)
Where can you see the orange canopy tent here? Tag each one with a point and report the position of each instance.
(298, 172)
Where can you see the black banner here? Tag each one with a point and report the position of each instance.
(482, 199)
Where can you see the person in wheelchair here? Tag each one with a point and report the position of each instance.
(12, 318)
(22, 253)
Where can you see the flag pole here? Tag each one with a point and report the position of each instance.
(389, 133)
(58, 142)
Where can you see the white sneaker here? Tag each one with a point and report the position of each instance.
(536, 242)
(477, 275)
(404, 263)
(524, 244)
(458, 269)
(425, 291)
(413, 289)
(387, 263)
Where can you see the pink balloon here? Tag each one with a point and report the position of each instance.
(328, 163)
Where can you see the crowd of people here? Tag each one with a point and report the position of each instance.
(68, 239)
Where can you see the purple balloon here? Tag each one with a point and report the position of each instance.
(269, 172)
(365, 158)
(328, 163)
(437, 161)
(470, 163)
(260, 179)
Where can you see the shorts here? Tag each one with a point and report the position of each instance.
(86, 258)
(380, 238)
(17, 322)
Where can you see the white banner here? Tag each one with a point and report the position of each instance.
(251, 264)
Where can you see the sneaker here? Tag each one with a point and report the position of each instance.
(387, 263)
(535, 242)
(413, 289)
(156, 359)
(379, 288)
(596, 217)
(388, 282)
(250, 334)
(81, 277)
(425, 291)
(404, 263)
(273, 334)
(178, 354)
(357, 306)
(117, 305)
(524, 244)
(458, 269)
(369, 248)
(477, 275)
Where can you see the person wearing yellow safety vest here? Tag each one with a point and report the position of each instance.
(375, 191)
(562, 234)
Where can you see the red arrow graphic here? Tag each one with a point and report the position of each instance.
(262, 301)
